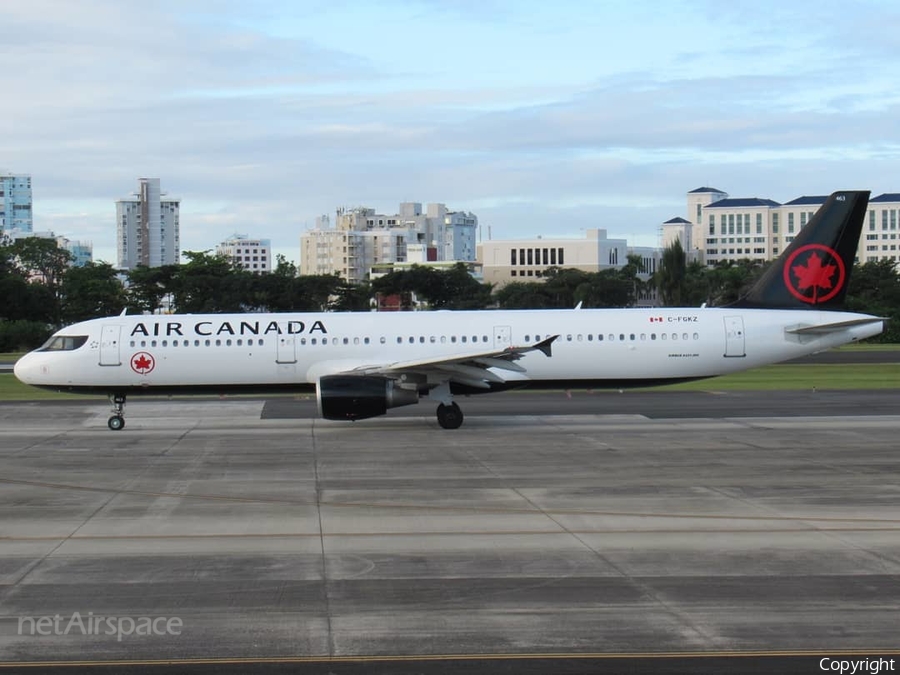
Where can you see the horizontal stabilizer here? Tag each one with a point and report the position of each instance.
(825, 328)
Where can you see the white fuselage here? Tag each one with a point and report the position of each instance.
(614, 347)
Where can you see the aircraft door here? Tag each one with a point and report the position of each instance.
(502, 337)
(109, 346)
(285, 352)
(734, 336)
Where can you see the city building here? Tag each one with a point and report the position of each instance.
(253, 255)
(360, 239)
(15, 203)
(729, 229)
(147, 227)
(504, 261)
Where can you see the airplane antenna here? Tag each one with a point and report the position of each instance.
(578, 306)
(124, 309)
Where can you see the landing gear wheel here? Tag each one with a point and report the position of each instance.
(449, 416)
(117, 421)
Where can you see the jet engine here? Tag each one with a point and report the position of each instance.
(356, 397)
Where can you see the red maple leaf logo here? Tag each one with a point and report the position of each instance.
(819, 278)
(814, 274)
(142, 363)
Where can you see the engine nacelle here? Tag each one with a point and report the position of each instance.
(356, 397)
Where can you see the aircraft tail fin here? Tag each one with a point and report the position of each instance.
(814, 271)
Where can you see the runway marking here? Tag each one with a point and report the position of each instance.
(456, 657)
(438, 533)
(448, 509)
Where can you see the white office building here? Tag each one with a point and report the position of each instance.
(359, 239)
(504, 261)
(721, 228)
(15, 203)
(253, 255)
(147, 226)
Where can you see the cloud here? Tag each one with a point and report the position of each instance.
(538, 117)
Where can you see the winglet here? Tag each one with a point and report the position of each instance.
(544, 345)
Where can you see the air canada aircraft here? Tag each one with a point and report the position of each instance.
(362, 364)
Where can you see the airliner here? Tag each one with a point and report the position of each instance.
(362, 364)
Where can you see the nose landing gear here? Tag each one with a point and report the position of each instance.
(117, 421)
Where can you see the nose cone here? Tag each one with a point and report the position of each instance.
(25, 369)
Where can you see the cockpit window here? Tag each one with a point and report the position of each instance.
(63, 343)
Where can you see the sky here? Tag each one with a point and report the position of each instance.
(542, 118)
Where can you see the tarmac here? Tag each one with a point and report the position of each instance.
(547, 534)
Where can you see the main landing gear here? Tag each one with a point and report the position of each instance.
(117, 421)
(449, 416)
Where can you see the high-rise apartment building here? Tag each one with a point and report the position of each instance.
(147, 228)
(15, 203)
(253, 255)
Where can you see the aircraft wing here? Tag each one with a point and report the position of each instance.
(466, 368)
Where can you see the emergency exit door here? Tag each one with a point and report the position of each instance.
(109, 346)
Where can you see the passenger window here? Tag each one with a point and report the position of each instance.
(422, 339)
(312, 341)
(622, 337)
(143, 343)
(399, 340)
(356, 340)
(347, 341)
(432, 339)
(453, 339)
(600, 337)
(590, 337)
(643, 336)
(196, 343)
(568, 338)
(208, 343)
(696, 336)
(152, 343)
(652, 336)
(412, 340)
(218, 343)
(227, 343)
(579, 337)
(132, 343)
(165, 343)
(241, 342)
(631, 337)
(684, 336)
(612, 337)
(463, 338)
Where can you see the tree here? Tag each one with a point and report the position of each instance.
(90, 292)
(147, 286)
(44, 261)
(670, 277)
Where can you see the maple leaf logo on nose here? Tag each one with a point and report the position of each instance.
(814, 274)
